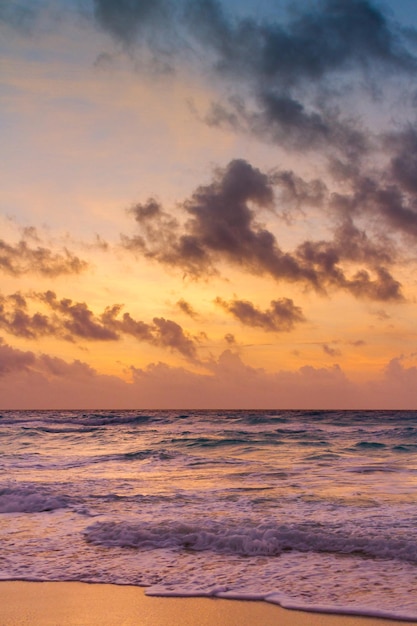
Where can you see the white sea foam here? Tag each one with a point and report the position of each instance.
(254, 540)
(19, 500)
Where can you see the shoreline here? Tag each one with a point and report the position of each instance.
(29, 603)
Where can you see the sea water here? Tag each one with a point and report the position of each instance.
(312, 510)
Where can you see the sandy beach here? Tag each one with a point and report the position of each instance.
(81, 604)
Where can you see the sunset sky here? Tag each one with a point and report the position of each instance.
(208, 204)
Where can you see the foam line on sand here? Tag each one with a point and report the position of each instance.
(81, 604)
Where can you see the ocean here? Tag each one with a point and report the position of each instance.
(310, 510)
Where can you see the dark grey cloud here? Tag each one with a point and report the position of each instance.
(382, 287)
(318, 38)
(31, 18)
(281, 316)
(389, 203)
(280, 72)
(128, 20)
(377, 195)
(20, 15)
(296, 72)
(287, 78)
(283, 119)
(20, 258)
(75, 321)
(352, 245)
(326, 258)
(296, 193)
(221, 225)
(404, 161)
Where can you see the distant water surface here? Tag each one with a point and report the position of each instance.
(313, 510)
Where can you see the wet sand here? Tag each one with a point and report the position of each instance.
(81, 604)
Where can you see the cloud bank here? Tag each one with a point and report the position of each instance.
(40, 381)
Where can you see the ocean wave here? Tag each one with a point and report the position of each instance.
(26, 500)
(260, 540)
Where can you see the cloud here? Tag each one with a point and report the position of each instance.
(386, 188)
(15, 319)
(282, 315)
(403, 164)
(330, 351)
(20, 15)
(288, 80)
(170, 334)
(358, 343)
(352, 245)
(221, 225)
(296, 193)
(186, 308)
(162, 332)
(20, 258)
(56, 367)
(12, 359)
(381, 314)
(128, 20)
(282, 119)
(293, 71)
(36, 382)
(283, 74)
(75, 320)
(319, 38)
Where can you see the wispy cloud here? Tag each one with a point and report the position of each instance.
(21, 258)
(186, 308)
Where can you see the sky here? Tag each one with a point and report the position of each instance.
(208, 204)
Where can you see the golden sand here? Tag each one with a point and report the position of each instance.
(81, 604)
